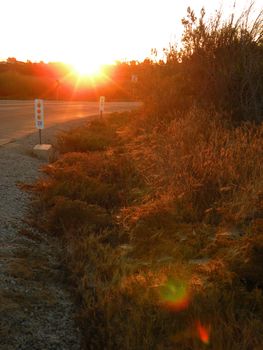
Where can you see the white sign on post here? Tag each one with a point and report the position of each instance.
(102, 103)
(39, 113)
(134, 78)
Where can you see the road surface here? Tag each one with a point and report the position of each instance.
(17, 117)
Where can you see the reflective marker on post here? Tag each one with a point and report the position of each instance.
(102, 103)
(39, 116)
(134, 78)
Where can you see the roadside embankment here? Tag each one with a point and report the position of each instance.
(36, 307)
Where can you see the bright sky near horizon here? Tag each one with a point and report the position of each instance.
(85, 32)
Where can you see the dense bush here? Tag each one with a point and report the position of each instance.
(220, 64)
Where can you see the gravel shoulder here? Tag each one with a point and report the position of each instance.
(36, 308)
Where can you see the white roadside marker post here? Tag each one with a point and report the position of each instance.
(42, 151)
(101, 106)
(134, 78)
(39, 116)
(134, 81)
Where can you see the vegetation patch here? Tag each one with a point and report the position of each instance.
(162, 239)
(160, 214)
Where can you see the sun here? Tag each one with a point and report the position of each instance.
(87, 68)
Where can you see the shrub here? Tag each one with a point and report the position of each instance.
(219, 64)
(108, 179)
(67, 216)
(96, 137)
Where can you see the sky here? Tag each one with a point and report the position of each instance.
(93, 32)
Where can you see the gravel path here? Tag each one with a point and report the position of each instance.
(36, 310)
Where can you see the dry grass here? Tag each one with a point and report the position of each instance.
(198, 160)
(188, 189)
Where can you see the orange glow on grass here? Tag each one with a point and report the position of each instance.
(175, 295)
(203, 332)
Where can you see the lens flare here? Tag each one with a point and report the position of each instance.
(203, 332)
(175, 295)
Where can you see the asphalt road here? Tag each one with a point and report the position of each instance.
(17, 117)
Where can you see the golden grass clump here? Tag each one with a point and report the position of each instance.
(204, 165)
